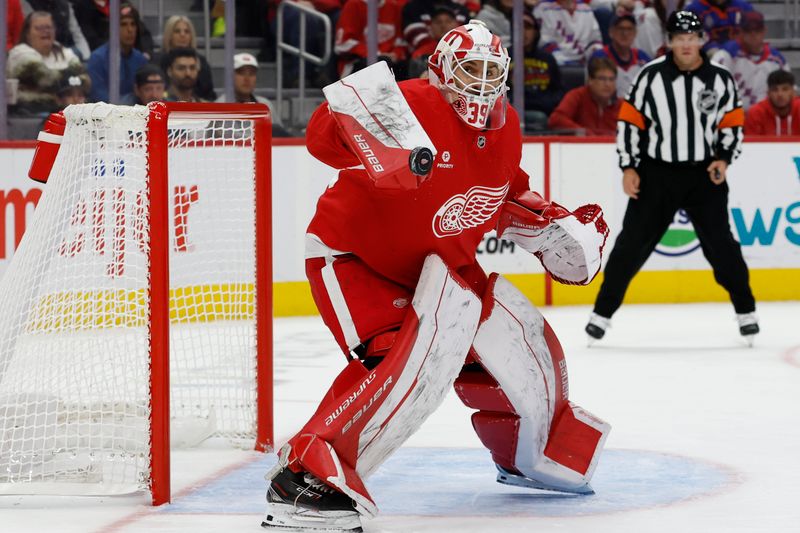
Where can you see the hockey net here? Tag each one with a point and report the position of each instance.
(154, 225)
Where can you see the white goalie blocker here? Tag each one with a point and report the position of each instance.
(553, 443)
(380, 128)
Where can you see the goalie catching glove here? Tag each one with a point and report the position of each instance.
(569, 244)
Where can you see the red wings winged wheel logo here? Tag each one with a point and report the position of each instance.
(464, 211)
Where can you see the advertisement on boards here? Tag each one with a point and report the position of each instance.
(764, 205)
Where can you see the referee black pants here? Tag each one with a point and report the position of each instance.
(664, 189)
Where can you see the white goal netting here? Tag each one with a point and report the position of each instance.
(75, 329)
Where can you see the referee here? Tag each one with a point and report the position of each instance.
(677, 132)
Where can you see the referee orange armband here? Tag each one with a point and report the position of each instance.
(631, 115)
(732, 119)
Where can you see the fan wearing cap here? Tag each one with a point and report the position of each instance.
(150, 86)
(443, 18)
(679, 130)
(245, 72)
(419, 30)
(131, 59)
(720, 19)
(629, 60)
(751, 59)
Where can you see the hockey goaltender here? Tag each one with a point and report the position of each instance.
(391, 259)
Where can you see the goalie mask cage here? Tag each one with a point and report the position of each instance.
(138, 304)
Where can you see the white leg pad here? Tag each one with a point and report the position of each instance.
(448, 313)
(525, 359)
(368, 414)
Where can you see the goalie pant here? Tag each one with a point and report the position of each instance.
(515, 375)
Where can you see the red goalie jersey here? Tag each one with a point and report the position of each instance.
(393, 231)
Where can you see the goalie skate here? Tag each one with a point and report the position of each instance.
(300, 502)
(516, 480)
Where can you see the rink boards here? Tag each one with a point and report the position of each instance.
(764, 211)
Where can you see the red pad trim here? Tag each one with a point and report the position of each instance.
(499, 433)
(315, 455)
(381, 344)
(356, 395)
(479, 390)
(354, 372)
(559, 365)
(572, 443)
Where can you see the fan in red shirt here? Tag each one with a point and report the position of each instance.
(351, 35)
(393, 271)
(14, 21)
(779, 113)
(594, 107)
(443, 19)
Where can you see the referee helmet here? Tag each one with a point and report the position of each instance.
(684, 22)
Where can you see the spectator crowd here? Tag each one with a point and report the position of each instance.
(580, 57)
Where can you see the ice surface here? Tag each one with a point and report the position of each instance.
(705, 438)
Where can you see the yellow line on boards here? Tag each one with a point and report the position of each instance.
(83, 309)
(686, 286)
(678, 286)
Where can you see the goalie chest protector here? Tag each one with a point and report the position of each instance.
(393, 231)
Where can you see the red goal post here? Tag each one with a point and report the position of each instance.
(149, 255)
(158, 127)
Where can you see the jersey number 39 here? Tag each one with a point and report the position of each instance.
(476, 113)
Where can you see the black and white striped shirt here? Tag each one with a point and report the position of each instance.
(660, 121)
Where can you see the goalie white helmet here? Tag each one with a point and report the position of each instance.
(470, 66)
